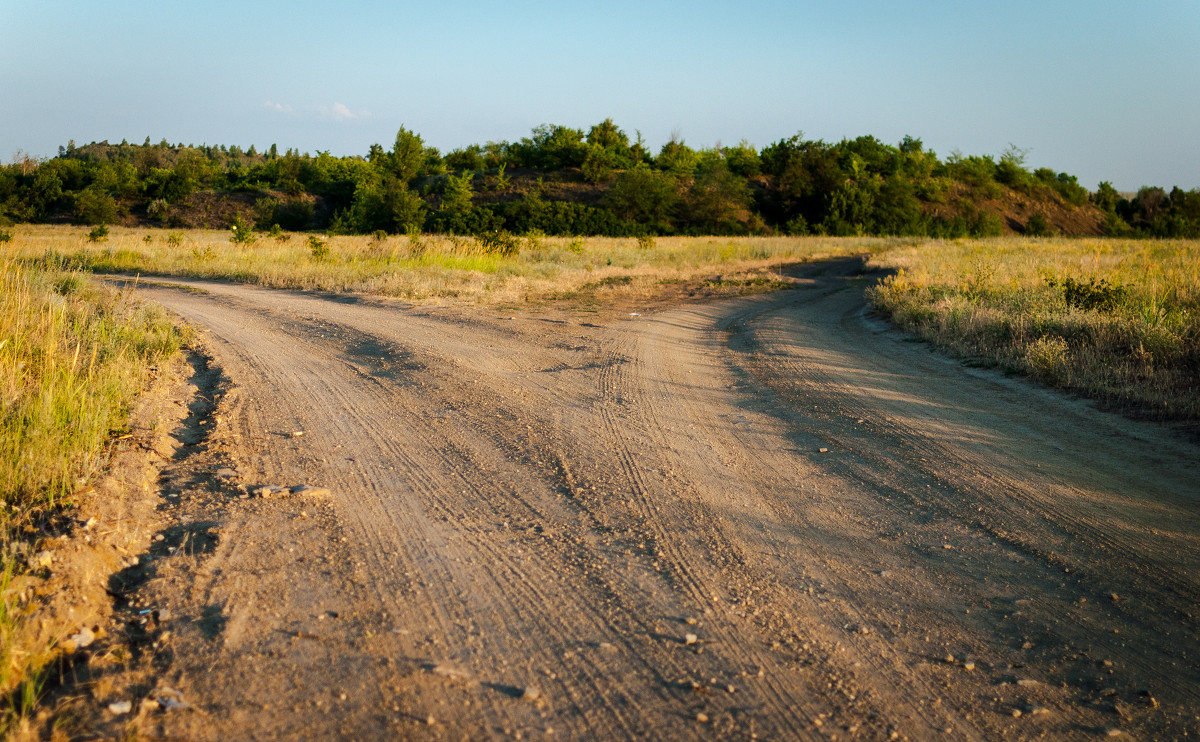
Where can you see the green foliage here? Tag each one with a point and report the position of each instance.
(645, 241)
(318, 247)
(470, 158)
(1106, 197)
(677, 158)
(5, 235)
(502, 181)
(409, 157)
(416, 245)
(1099, 295)
(157, 209)
(499, 242)
(94, 206)
(715, 200)
(743, 159)
(598, 165)
(550, 147)
(457, 192)
(241, 232)
(99, 233)
(643, 196)
(174, 238)
(856, 186)
(1037, 226)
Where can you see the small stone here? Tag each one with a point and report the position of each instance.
(162, 614)
(84, 638)
(297, 433)
(730, 689)
(160, 537)
(1113, 732)
(608, 647)
(1039, 710)
(120, 707)
(531, 693)
(309, 490)
(171, 699)
(968, 666)
(690, 621)
(1027, 645)
(226, 473)
(949, 659)
(1016, 713)
(43, 559)
(822, 450)
(429, 720)
(690, 638)
(448, 671)
(702, 718)
(1027, 682)
(91, 523)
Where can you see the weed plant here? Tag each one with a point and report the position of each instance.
(1117, 320)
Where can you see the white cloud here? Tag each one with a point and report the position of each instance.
(277, 107)
(341, 112)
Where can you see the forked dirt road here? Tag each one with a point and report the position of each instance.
(771, 517)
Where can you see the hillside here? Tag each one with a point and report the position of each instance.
(563, 181)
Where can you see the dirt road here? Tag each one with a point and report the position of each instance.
(771, 517)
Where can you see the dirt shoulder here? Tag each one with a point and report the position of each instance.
(769, 517)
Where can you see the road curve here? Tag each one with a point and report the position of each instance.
(771, 518)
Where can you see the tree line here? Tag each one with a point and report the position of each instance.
(562, 180)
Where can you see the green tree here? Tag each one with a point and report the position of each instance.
(644, 196)
(677, 158)
(408, 158)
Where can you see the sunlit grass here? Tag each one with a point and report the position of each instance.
(434, 268)
(73, 355)
(1126, 328)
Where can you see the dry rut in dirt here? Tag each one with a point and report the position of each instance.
(770, 517)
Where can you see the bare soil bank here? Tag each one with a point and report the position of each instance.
(770, 517)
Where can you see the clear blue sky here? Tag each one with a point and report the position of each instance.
(1101, 89)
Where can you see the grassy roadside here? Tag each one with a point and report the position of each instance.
(1115, 320)
(438, 268)
(73, 355)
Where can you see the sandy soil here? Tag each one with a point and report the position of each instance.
(771, 518)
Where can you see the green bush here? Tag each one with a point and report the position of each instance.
(241, 233)
(5, 235)
(1037, 226)
(499, 242)
(1095, 295)
(99, 233)
(318, 247)
(157, 209)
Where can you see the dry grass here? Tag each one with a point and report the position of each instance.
(438, 268)
(1116, 320)
(73, 354)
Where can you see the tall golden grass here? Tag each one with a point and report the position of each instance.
(1116, 320)
(73, 355)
